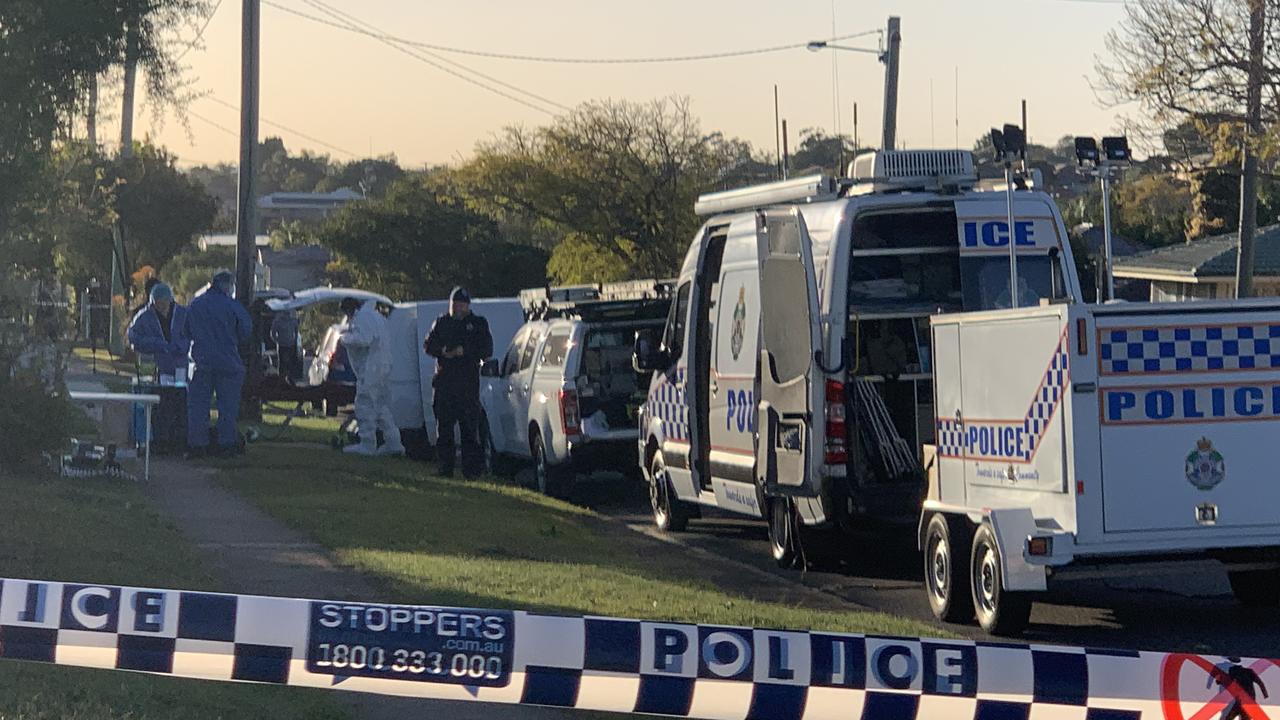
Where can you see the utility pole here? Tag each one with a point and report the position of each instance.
(1252, 135)
(130, 85)
(119, 265)
(893, 39)
(777, 131)
(91, 116)
(247, 195)
(786, 159)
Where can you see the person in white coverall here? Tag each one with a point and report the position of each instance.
(368, 346)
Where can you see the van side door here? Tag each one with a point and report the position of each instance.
(788, 453)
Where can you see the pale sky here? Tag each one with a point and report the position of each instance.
(356, 93)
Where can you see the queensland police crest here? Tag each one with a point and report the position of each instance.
(739, 323)
(1205, 466)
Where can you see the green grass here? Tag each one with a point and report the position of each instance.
(109, 364)
(104, 531)
(488, 544)
(315, 428)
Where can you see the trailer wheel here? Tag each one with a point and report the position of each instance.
(669, 513)
(1255, 588)
(945, 579)
(999, 611)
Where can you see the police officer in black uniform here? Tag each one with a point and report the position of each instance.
(459, 341)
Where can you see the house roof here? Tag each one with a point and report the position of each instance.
(1211, 257)
(297, 255)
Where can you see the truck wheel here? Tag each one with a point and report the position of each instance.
(669, 513)
(944, 577)
(999, 611)
(784, 543)
(1255, 588)
(548, 479)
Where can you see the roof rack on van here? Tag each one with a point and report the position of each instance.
(877, 171)
(626, 300)
(810, 188)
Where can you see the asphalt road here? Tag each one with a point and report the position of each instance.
(1191, 611)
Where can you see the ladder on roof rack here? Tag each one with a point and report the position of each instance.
(617, 300)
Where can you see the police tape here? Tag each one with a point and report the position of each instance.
(609, 664)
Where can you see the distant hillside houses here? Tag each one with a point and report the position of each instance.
(307, 207)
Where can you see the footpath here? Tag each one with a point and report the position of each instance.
(250, 552)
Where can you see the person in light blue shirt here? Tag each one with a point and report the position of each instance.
(217, 326)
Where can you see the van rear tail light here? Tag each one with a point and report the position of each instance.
(1082, 340)
(570, 417)
(836, 449)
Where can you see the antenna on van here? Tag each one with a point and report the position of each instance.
(1009, 144)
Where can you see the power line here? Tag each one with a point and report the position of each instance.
(213, 123)
(436, 62)
(200, 33)
(285, 128)
(561, 60)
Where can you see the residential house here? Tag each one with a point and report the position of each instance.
(1205, 268)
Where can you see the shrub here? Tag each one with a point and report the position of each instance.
(33, 419)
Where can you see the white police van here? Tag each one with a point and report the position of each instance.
(884, 378)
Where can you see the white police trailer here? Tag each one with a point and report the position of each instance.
(1056, 434)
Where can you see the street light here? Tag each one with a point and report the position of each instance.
(1105, 167)
(1009, 143)
(887, 54)
(816, 45)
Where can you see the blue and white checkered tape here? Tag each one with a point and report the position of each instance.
(1188, 349)
(596, 663)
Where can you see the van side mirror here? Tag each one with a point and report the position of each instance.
(648, 355)
(490, 368)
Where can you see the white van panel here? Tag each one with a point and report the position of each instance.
(412, 369)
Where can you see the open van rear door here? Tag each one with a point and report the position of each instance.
(790, 381)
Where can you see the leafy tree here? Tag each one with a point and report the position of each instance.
(618, 178)
(189, 270)
(371, 176)
(51, 49)
(1151, 208)
(1207, 61)
(819, 152)
(421, 239)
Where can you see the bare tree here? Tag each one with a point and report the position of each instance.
(1213, 61)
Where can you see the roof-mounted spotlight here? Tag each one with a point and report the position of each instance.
(1116, 149)
(1086, 151)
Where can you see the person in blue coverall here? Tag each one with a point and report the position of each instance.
(217, 326)
(159, 330)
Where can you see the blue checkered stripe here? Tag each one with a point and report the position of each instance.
(1160, 350)
(952, 440)
(667, 402)
(594, 663)
(704, 671)
(192, 634)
